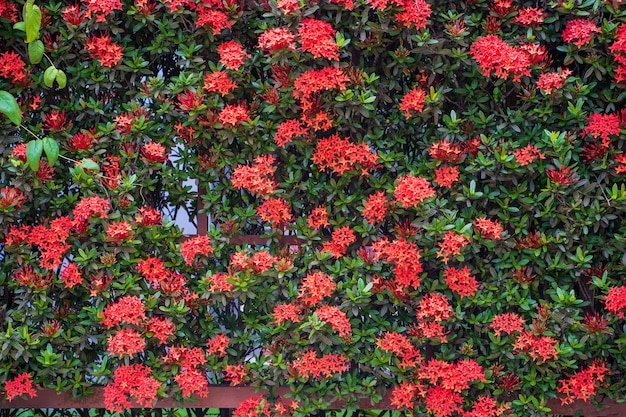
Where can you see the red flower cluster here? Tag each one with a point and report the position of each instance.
(400, 346)
(615, 300)
(233, 114)
(453, 376)
(317, 38)
(198, 245)
(218, 345)
(212, 16)
(232, 54)
(460, 281)
(489, 229)
(405, 256)
(22, 384)
(13, 68)
(70, 275)
(275, 211)
(52, 241)
(287, 312)
(119, 231)
(314, 81)
(529, 16)
(127, 310)
(288, 130)
(154, 152)
(258, 263)
(218, 81)
(253, 407)
(550, 81)
(411, 190)
(275, 39)
(340, 155)
(435, 306)
(495, 55)
(447, 175)
(405, 395)
(101, 8)
(8, 11)
(192, 382)
(583, 385)
(446, 151)
(563, 176)
(125, 342)
(108, 53)
(236, 374)
(161, 328)
(11, 199)
(603, 126)
(157, 275)
(530, 153)
(340, 240)
(413, 101)
(443, 402)
(88, 207)
(256, 178)
(310, 366)
(375, 207)
(451, 245)
(130, 381)
(314, 287)
(506, 323)
(318, 218)
(580, 31)
(619, 54)
(337, 320)
(537, 347)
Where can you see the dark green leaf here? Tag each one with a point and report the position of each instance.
(35, 51)
(10, 108)
(34, 150)
(51, 148)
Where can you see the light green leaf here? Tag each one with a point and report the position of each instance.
(89, 164)
(20, 26)
(50, 75)
(34, 150)
(33, 24)
(51, 148)
(10, 108)
(35, 51)
(61, 79)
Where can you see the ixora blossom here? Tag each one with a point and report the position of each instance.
(22, 384)
(615, 301)
(489, 229)
(154, 152)
(411, 191)
(309, 365)
(317, 38)
(107, 52)
(132, 381)
(232, 54)
(413, 102)
(198, 245)
(257, 177)
(550, 81)
(580, 31)
(101, 8)
(339, 155)
(495, 55)
(583, 384)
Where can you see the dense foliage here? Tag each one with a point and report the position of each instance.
(438, 187)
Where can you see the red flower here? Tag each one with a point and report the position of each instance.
(261, 261)
(275, 39)
(562, 176)
(192, 382)
(446, 151)
(233, 114)
(489, 229)
(186, 357)
(615, 300)
(314, 287)
(8, 11)
(310, 366)
(340, 155)
(232, 54)
(219, 282)
(288, 6)
(198, 245)
(416, 13)
(189, 100)
(495, 55)
(442, 402)
(537, 347)
(275, 211)
(451, 245)
(288, 130)
(130, 381)
(218, 345)
(602, 126)
(88, 207)
(215, 19)
(375, 207)
(56, 121)
(317, 37)
(218, 81)
(447, 175)
(108, 53)
(70, 275)
(252, 407)
(583, 385)
(412, 101)
(411, 190)
(161, 328)
(20, 385)
(287, 312)
(506, 323)
(127, 310)
(154, 152)
(452, 376)
(530, 153)
(101, 8)
(436, 307)
(340, 240)
(13, 68)
(580, 31)
(147, 216)
(461, 281)
(318, 218)
(336, 318)
(125, 342)
(405, 395)
(407, 260)
(314, 81)
(116, 232)
(550, 81)
(530, 16)
(256, 178)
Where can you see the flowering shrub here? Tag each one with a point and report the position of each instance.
(435, 193)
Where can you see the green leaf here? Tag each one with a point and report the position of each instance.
(10, 108)
(89, 164)
(50, 75)
(51, 148)
(33, 24)
(35, 52)
(61, 79)
(33, 153)
(20, 26)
